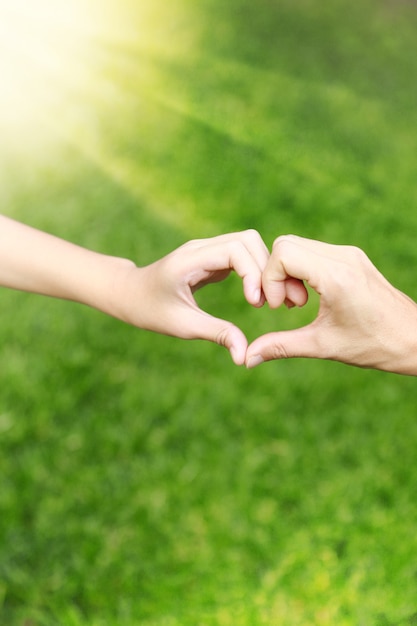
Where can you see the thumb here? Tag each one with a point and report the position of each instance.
(282, 345)
(202, 325)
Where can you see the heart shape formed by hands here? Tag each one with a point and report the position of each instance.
(211, 261)
(359, 311)
(362, 319)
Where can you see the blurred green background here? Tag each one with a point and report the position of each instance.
(145, 480)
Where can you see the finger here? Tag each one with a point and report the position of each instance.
(250, 238)
(292, 258)
(296, 293)
(289, 291)
(209, 260)
(301, 342)
(256, 246)
(201, 325)
(328, 250)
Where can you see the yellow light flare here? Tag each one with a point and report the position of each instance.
(44, 47)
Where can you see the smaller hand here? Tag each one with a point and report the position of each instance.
(159, 297)
(362, 320)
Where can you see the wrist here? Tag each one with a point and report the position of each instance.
(119, 285)
(407, 349)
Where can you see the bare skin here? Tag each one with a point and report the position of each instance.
(158, 297)
(362, 320)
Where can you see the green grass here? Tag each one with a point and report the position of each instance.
(148, 481)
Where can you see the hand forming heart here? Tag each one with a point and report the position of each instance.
(162, 294)
(363, 320)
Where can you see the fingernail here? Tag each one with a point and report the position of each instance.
(257, 295)
(254, 361)
(235, 355)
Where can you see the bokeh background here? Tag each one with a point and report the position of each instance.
(146, 480)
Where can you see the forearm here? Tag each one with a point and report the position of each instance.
(34, 261)
(158, 297)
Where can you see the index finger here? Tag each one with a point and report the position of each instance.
(250, 238)
(244, 252)
(293, 257)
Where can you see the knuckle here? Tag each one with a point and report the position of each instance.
(279, 241)
(283, 243)
(252, 233)
(222, 336)
(279, 352)
(192, 243)
(352, 269)
(356, 254)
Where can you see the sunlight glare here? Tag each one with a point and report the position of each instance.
(44, 50)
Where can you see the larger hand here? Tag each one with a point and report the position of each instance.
(363, 320)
